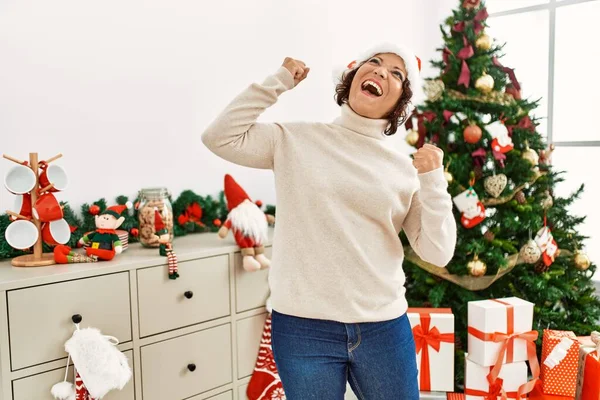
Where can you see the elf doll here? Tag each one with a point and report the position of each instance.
(103, 243)
(249, 225)
(165, 246)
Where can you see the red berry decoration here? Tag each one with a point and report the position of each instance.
(134, 232)
(94, 209)
(258, 203)
(472, 134)
(217, 222)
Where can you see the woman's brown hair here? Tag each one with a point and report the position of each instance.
(397, 117)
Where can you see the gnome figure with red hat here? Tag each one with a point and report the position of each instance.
(249, 226)
(165, 246)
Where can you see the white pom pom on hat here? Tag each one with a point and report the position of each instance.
(411, 61)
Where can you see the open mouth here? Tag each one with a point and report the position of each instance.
(372, 88)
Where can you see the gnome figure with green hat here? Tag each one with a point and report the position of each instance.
(165, 246)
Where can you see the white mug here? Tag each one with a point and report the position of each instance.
(21, 234)
(20, 179)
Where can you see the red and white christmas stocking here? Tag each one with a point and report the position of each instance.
(473, 211)
(264, 383)
(547, 244)
(81, 393)
(502, 144)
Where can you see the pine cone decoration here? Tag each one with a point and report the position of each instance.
(489, 236)
(478, 172)
(540, 267)
(520, 197)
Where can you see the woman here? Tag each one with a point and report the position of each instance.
(344, 194)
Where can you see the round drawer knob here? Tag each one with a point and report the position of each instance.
(77, 318)
(192, 367)
(189, 294)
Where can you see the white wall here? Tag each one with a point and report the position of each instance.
(124, 88)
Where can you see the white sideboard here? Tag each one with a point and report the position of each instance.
(195, 337)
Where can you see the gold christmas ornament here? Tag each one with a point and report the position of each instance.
(434, 89)
(476, 267)
(530, 252)
(582, 261)
(485, 83)
(484, 42)
(412, 137)
(546, 201)
(495, 184)
(531, 156)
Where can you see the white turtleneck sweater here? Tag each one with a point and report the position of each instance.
(343, 195)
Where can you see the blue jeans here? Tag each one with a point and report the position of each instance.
(315, 358)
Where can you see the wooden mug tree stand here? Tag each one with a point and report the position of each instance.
(38, 258)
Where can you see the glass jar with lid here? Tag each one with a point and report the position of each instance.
(151, 201)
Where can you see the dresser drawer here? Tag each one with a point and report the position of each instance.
(166, 373)
(251, 288)
(242, 392)
(221, 396)
(163, 304)
(249, 334)
(37, 387)
(40, 317)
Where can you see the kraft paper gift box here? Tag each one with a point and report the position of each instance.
(433, 331)
(560, 360)
(493, 319)
(511, 378)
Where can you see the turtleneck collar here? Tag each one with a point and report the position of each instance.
(359, 124)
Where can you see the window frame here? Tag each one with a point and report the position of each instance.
(551, 7)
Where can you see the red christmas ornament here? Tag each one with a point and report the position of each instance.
(258, 203)
(134, 232)
(472, 134)
(217, 222)
(94, 209)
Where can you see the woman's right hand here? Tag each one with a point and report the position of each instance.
(297, 68)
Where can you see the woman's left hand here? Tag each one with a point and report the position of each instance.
(428, 158)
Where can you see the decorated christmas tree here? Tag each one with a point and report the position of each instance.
(516, 237)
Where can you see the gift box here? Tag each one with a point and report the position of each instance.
(538, 394)
(511, 378)
(433, 331)
(500, 328)
(586, 347)
(560, 360)
(590, 387)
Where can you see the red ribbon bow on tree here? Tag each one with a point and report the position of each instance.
(193, 213)
(509, 71)
(426, 337)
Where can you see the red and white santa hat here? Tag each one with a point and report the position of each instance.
(411, 61)
(234, 193)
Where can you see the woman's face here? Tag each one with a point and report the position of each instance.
(377, 86)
